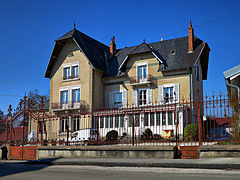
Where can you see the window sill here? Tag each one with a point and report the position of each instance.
(68, 80)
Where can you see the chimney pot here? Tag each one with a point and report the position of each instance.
(190, 38)
(112, 46)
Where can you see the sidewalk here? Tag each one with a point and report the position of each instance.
(209, 163)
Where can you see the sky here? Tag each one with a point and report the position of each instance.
(28, 29)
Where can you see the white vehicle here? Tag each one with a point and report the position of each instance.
(84, 135)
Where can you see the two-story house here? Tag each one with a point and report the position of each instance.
(86, 75)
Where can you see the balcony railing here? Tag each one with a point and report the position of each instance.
(82, 105)
(70, 77)
(135, 80)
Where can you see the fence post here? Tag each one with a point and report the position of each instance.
(133, 129)
(10, 115)
(199, 123)
(67, 134)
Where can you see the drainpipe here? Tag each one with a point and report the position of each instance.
(234, 86)
(238, 89)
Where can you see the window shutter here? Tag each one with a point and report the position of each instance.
(134, 95)
(149, 96)
(124, 98)
(176, 90)
(160, 95)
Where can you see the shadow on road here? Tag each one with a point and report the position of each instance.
(10, 168)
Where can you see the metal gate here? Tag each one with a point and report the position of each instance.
(21, 147)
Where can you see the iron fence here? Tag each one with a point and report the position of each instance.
(212, 120)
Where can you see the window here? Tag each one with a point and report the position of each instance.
(142, 72)
(151, 119)
(121, 121)
(64, 98)
(146, 119)
(71, 71)
(117, 98)
(168, 94)
(76, 95)
(111, 121)
(130, 118)
(137, 120)
(142, 96)
(116, 121)
(66, 73)
(106, 122)
(170, 118)
(101, 122)
(158, 118)
(64, 123)
(76, 123)
(75, 71)
(164, 118)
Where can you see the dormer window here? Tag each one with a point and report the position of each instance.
(142, 72)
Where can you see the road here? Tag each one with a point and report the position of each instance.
(59, 172)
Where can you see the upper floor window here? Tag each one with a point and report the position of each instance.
(142, 72)
(64, 99)
(142, 96)
(75, 71)
(76, 95)
(66, 73)
(117, 98)
(71, 71)
(168, 94)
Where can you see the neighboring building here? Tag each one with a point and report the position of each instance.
(232, 77)
(86, 74)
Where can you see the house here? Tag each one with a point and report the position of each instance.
(86, 75)
(232, 77)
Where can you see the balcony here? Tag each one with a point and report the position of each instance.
(134, 81)
(73, 77)
(82, 105)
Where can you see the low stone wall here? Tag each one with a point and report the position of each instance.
(217, 151)
(106, 152)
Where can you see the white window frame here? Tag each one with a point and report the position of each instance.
(111, 97)
(63, 106)
(71, 65)
(138, 96)
(142, 64)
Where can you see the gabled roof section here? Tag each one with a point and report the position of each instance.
(143, 48)
(173, 53)
(95, 51)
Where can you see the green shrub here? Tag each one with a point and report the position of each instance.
(112, 135)
(147, 134)
(191, 132)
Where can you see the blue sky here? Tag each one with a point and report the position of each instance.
(28, 30)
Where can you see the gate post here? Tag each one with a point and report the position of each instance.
(199, 123)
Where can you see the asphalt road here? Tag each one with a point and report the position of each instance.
(58, 172)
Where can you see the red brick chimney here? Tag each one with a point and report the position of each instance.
(190, 38)
(112, 46)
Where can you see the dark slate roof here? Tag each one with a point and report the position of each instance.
(95, 51)
(173, 52)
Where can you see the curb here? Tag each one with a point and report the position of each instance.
(129, 164)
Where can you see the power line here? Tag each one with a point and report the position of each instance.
(18, 80)
(205, 23)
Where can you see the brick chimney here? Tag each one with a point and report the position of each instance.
(112, 46)
(190, 38)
